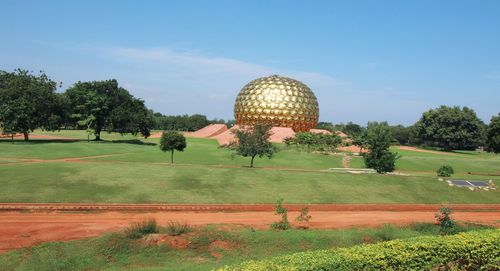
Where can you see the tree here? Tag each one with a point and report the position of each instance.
(253, 141)
(28, 102)
(378, 140)
(352, 129)
(450, 128)
(104, 106)
(493, 135)
(400, 134)
(172, 141)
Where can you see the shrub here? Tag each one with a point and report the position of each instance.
(386, 232)
(283, 224)
(176, 228)
(304, 215)
(466, 251)
(141, 228)
(382, 162)
(446, 223)
(445, 171)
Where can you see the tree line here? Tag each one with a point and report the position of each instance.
(447, 128)
(29, 101)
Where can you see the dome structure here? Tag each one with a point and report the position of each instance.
(278, 101)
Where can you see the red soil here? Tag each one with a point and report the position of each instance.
(320, 131)
(209, 131)
(278, 134)
(22, 229)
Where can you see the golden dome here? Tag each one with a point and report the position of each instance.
(279, 101)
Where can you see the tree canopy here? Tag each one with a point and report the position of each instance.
(28, 102)
(378, 139)
(172, 141)
(254, 141)
(104, 106)
(493, 136)
(449, 128)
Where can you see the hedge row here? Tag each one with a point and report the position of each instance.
(479, 250)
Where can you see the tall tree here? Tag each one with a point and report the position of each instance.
(493, 136)
(104, 106)
(172, 141)
(28, 102)
(378, 140)
(253, 141)
(400, 134)
(353, 130)
(450, 128)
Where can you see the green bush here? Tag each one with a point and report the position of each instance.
(445, 171)
(479, 250)
(176, 228)
(141, 228)
(446, 223)
(283, 224)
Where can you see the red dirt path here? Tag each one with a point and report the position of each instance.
(23, 229)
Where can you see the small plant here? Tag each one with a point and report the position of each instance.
(176, 228)
(141, 228)
(304, 215)
(445, 171)
(280, 210)
(386, 232)
(446, 223)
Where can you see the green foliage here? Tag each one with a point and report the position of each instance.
(466, 251)
(400, 134)
(378, 140)
(304, 215)
(314, 141)
(446, 223)
(254, 141)
(104, 106)
(176, 228)
(172, 141)
(353, 130)
(449, 128)
(182, 122)
(283, 224)
(141, 228)
(445, 171)
(28, 102)
(493, 135)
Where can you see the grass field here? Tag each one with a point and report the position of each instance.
(118, 252)
(136, 171)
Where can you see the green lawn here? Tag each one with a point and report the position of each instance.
(117, 252)
(136, 171)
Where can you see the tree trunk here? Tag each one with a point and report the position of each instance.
(26, 136)
(172, 157)
(251, 161)
(98, 135)
(12, 138)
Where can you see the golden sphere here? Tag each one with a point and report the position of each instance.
(278, 101)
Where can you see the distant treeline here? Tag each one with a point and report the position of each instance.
(184, 122)
(29, 102)
(447, 128)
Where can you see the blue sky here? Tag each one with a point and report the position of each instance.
(365, 60)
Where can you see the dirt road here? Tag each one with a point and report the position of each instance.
(23, 229)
